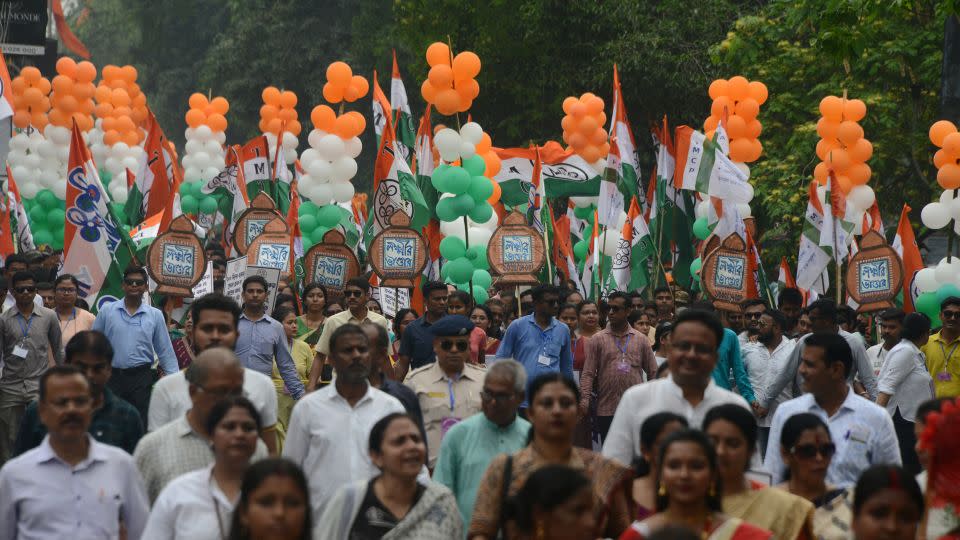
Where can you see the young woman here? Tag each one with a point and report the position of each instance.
(588, 324)
(568, 316)
(733, 431)
(332, 309)
(807, 450)
(404, 317)
(461, 303)
(314, 302)
(583, 433)
(393, 505)
(374, 305)
(556, 502)
(661, 342)
(642, 322)
(481, 317)
(553, 415)
(197, 505)
(688, 493)
(274, 503)
(654, 430)
(303, 360)
(887, 504)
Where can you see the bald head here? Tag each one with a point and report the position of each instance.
(214, 375)
(214, 359)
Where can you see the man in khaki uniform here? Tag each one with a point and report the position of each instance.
(448, 389)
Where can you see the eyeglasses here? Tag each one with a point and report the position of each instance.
(459, 345)
(553, 302)
(22, 290)
(753, 315)
(135, 282)
(617, 308)
(348, 294)
(63, 290)
(490, 396)
(950, 315)
(810, 451)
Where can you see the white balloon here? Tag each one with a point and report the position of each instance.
(308, 155)
(200, 160)
(187, 161)
(290, 156)
(289, 141)
(60, 190)
(744, 210)
(63, 153)
(447, 142)
(471, 132)
(59, 135)
(203, 133)
(219, 162)
(343, 169)
(193, 146)
(32, 161)
(467, 150)
(490, 224)
(131, 163)
(453, 228)
(935, 216)
(947, 271)
(220, 137)
(35, 139)
(331, 147)
(118, 192)
(479, 236)
(861, 197)
(112, 164)
(20, 142)
(322, 194)
(946, 196)
(313, 139)
(15, 157)
(353, 147)
(29, 191)
(211, 147)
(191, 174)
(48, 177)
(926, 280)
(271, 139)
(342, 191)
(702, 210)
(119, 150)
(317, 168)
(208, 173)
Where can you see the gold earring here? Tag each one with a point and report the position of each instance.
(713, 489)
(662, 491)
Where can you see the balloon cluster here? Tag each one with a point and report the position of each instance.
(936, 285)
(316, 221)
(330, 162)
(279, 107)
(944, 135)
(451, 84)
(343, 85)
(583, 127)
(736, 103)
(72, 98)
(842, 148)
(31, 100)
(207, 121)
(46, 214)
(38, 163)
(116, 141)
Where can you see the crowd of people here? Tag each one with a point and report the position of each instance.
(538, 414)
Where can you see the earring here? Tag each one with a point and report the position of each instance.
(662, 491)
(540, 533)
(713, 489)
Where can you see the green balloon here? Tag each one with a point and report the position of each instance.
(308, 222)
(482, 278)
(946, 291)
(580, 249)
(695, 266)
(308, 208)
(42, 237)
(475, 165)
(440, 177)
(46, 199)
(189, 204)
(459, 181)
(106, 178)
(446, 211)
(328, 215)
(477, 254)
(481, 212)
(927, 304)
(38, 217)
(479, 294)
(185, 189)
(57, 242)
(481, 188)
(55, 218)
(463, 204)
(208, 205)
(700, 228)
(583, 213)
(317, 235)
(452, 248)
(460, 270)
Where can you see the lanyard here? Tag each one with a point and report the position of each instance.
(450, 393)
(216, 507)
(946, 355)
(622, 344)
(25, 328)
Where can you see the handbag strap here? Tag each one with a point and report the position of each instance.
(504, 490)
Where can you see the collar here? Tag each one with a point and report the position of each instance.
(335, 396)
(612, 332)
(263, 318)
(437, 374)
(15, 310)
(182, 428)
(45, 453)
(848, 402)
(678, 392)
(936, 337)
(492, 426)
(142, 308)
(533, 321)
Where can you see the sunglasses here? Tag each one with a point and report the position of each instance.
(23, 290)
(752, 316)
(349, 294)
(950, 315)
(459, 345)
(135, 282)
(810, 451)
(617, 308)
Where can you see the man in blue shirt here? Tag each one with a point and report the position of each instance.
(416, 344)
(262, 339)
(539, 341)
(138, 332)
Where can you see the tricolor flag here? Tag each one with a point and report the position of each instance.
(813, 260)
(6, 90)
(231, 188)
(91, 237)
(536, 197)
(423, 162)
(146, 231)
(611, 201)
(785, 277)
(255, 163)
(19, 223)
(564, 173)
(836, 234)
(402, 118)
(905, 244)
(624, 144)
(562, 251)
(381, 109)
(151, 191)
(7, 223)
(631, 271)
(296, 236)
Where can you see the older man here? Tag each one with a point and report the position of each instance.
(449, 389)
(470, 446)
(184, 445)
(71, 486)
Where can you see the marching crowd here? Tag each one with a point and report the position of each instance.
(541, 415)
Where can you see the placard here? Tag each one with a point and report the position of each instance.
(725, 273)
(254, 227)
(331, 263)
(176, 260)
(233, 279)
(874, 275)
(330, 271)
(205, 285)
(731, 270)
(253, 221)
(516, 251)
(272, 275)
(271, 248)
(24, 27)
(398, 253)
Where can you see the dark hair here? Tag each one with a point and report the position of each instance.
(44, 286)
(929, 406)
(67, 277)
(545, 489)
(880, 477)
(619, 294)
(702, 305)
(915, 325)
(494, 302)
(486, 311)
(846, 313)
(542, 290)
(379, 430)
(375, 301)
(703, 317)
(462, 296)
(219, 263)
(359, 282)
(835, 347)
(585, 303)
(790, 295)
(794, 427)
(950, 301)
(750, 302)
(22, 275)
(651, 428)
(663, 330)
(311, 286)
(662, 288)
(222, 407)
(215, 302)
(57, 371)
(826, 307)
(398, 319)
(255, 279)
(256, 474)
(699, 438)
(433, 286)
(130, 270)
(283, 298)
(635, 316)
(566, 307)
(15, 258)
(3, 282)
(383, 339)
(344, 330)
(892, 314)
(540, 381)
(280, 312)
(88, 341)
(661, 368)
(738, 416)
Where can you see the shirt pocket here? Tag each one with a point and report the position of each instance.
(102, 512)
(264, 348)
(856, 448)
(552, 349)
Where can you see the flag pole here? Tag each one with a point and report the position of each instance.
(546, 241)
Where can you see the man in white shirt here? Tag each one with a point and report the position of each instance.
(71, 486)
(891, 322)
(753, 309)
(215, 319)
(861, 430)
(765, 358)
(329, 428)
(688, 391)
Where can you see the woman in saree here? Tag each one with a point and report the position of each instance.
(688, 493)
(311, 322)
(654, 430)
(733, 431)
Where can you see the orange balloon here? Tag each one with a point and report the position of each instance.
(598, 137)
(738, 88)
(39, 120)
(287, 115)
(268, 112)
(351, 94)
(110, 72)
(125, 124)
(754, 128)
(271, 95)
(949, 176)
(594, 105)
(590, 153)
(718, 88)
(117, 83)
(139, 116)
(587, 125)
(758, 92)
(740, 150)
(128, 73)
(359, 122)
(66, 66)
(21, 119)
(102, 94)
(361, 84)
(941, 158)
(832, 107)
(140, 101)
(854, 109)
(428, 91)
(323, 117)
(577, 141)
(62, 84)
(288, 99)
(440, 76)
(83, 91)
(485, 145)
(838, 159)
(132, 138)
(747, 108)
(30, 74)
(941, 129)
(468, 89)
(849, 132)
(194, 118)
(861, 151)
(109, 124)
(578, 110)
(332, 93)
(122, 111)
(821, 172)
(568, 123)
(32, 97)
(294, 127)
(43, 84)
(197, 100)
(120, 98)
(339, 73)
(466, 65)
(827, 128)
(220, 105)
(497, 192)
(447, 102)
(824, 146)
(438, 53)
(710, 123)
(273, 126)
(844, 183)
(103, 110)
(263, 125)
(217, 122)
(736, 127)
(111, 138)
(68, 104)
(18, 85)
(86, 72)
(755, 152)
(721, 107)
(951, 143)
(568, 103)
(344, 127)
(859, 174)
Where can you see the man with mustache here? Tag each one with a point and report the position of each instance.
(448, 389)
(329, 429)
(71, 486)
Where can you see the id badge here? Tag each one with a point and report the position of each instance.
(446, 423)
(623, 366)
(19, 351)
(944, 376)
(543, 360)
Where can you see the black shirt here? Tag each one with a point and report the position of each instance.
(373, 519)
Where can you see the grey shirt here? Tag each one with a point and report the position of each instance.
(27, 345)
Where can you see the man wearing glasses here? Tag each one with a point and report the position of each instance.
(73, 320)
(943, 358)
(31, 342)
(752, 309)
(138, 333)
(764, 358)
(448, 389)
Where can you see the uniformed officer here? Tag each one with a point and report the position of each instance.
(448, 389)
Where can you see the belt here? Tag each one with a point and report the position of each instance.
(141, 367)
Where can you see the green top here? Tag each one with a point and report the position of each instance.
(466, 451)
(306, 333)
(302, 354)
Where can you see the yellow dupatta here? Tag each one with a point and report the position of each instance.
(776, 510)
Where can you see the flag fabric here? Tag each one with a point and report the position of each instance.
(423, 163)
(7, 223)
(20, 223)
(230, 187)
(611, 200)
(564, 173)
(813, 260)
(905, 244)
(785, 277)
(402, 118)
(591, 263)
(147, 230)
(876, 220)
(70, 40)
(837, 231)
(92, 237)
(152, 184)
(381, 109)
(6, 90)
(296, 236)
(623, 143)
(703, 166)
(536, 198)
(280, 175)
(630, 267)
(255, 164)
